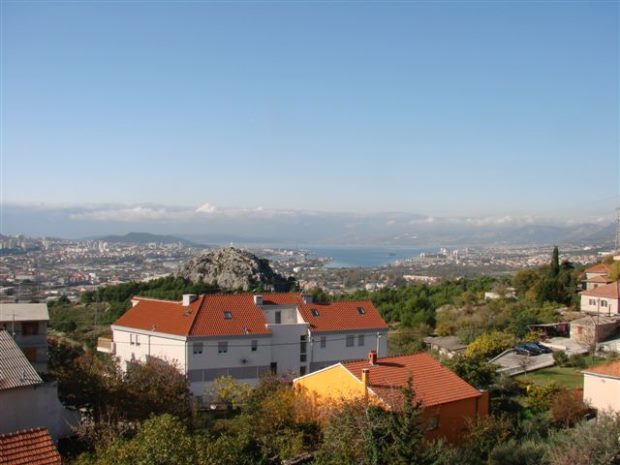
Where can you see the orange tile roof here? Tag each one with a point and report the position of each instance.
(598, 268)
(600, 278)
(607, 369)
(247, 318)
(432, 382)
(342, 315)
(163, 316)
(28, 447)
(609, 291)
(206, 317)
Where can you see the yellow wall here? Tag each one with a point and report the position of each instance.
(331, 385)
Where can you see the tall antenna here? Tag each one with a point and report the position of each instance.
(617, 245)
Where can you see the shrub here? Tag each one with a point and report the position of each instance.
(490, 344)
(560, 358)
(541, 397)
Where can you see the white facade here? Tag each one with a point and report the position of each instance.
(290, 349)
(602, 392)
(36, 406)
(601, 305)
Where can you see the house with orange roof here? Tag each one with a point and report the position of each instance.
(601, 386)
(603, 300)
(596, 276)
(246, 336)
(28, 447)
(448, 402)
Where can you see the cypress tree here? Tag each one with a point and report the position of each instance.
(554, 270)
(406, 431)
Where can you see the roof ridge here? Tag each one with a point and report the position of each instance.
(202, 301)
(383, 358)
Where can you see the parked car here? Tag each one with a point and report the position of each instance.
(542, 348)
(527, 349)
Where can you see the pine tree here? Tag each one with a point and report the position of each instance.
(406, 431)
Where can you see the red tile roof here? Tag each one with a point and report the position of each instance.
(342, 315)
(609, 291)
(163, 316)
(432, 382)
(607, 369)
(205, 316)
(28, 447)
(598, 268)
(600, 278)
(247, 318)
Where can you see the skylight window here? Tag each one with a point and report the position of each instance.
(228, 315)
(361, 310)
(314, 312)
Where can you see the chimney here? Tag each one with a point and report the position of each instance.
(188, 299)
(366, 381)
(306, 298)
(258, 300)
(372, 357)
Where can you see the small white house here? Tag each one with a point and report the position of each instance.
(25, 400)
(27, 324)
(603, 300)
(246, 336)
(601, 386)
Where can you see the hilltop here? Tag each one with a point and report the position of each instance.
(230, 268)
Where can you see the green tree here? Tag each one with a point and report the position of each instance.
(406, 432)
(554, 267)
(476, 371)
(490, 344)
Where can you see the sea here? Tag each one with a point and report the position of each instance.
(359, 256)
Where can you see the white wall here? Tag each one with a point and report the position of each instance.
(239, 361)
(595, 306)
(601, 393)
(336, 346)
(36, 406)
(146, 343)
(285, 350)
(288, 313)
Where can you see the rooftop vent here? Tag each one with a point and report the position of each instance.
(258, 300)
(228, 315)
(314, 312)
(188, 299)
(361, 310)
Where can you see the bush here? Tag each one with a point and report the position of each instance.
(560, 358)
(567, 409)
(515, 453)
(577, 361)
(490, 344)
(541, 397)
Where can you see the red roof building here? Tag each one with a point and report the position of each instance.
(28, 447)
(448, 401)
(246, 335)
(604, 300)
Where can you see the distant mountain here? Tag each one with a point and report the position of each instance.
(143, 238)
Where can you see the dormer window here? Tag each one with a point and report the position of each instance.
(228, 315)
(361, 310)
(314, 312)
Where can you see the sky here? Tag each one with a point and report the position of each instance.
(437, 108)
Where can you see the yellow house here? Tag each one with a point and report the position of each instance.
(447, 400)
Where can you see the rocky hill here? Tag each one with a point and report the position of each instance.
(231, 268)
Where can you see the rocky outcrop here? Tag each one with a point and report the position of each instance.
(231, 269)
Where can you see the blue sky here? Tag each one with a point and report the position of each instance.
(437, 108)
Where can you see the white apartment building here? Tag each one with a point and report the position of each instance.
(27, 324)
(246, 336)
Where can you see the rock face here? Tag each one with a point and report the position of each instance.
(231, 268)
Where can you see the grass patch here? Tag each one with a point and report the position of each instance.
(567, 377)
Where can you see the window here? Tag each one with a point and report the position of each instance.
(302, 357)
(254, 345)
(30, 328)
(350, 341)
(302, 347)
(361, 310)
(137, 340)
(228, 315)
(131, 339)
(278, 317)
(314, 312)
(197, 348)
(302, 370)
(591, 302)
(273, 366)
(360, 340)
(433, 422)
(323, 342)
(222, 347)
(603, 303)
